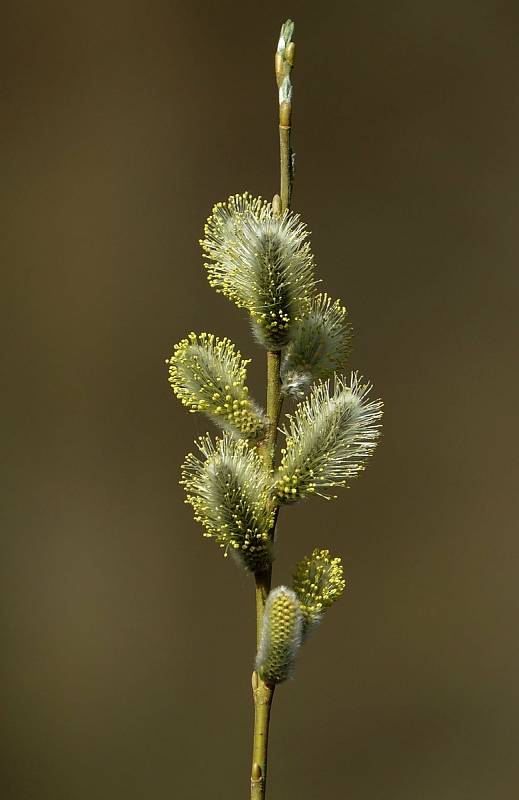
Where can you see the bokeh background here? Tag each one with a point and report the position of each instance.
(127, 639)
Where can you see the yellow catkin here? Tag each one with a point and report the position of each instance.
(208, 374)
(318, 582)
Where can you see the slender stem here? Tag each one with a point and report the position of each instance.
(274, 403)
(262, 692)
(263, 695)
(285, 154)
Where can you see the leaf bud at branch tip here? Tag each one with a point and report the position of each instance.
(284, 61)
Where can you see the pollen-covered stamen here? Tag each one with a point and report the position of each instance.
(328, 439)
(230, 492)
(262, 262)
(281, 636)
(318, 583)
(320, 344)
(208, 374)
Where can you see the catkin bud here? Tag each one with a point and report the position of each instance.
(281, 636)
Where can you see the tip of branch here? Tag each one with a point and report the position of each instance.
(284, 61)
(285, 37)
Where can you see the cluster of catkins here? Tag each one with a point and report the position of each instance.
(262, 261)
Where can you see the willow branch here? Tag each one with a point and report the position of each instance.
(262, 692)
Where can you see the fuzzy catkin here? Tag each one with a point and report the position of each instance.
(328, 439)
(230, 492)
(281, 636)
(208, 374)
(319, 345)
(262, 262)
(318, 582)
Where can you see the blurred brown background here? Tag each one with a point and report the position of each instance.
(127, 640)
